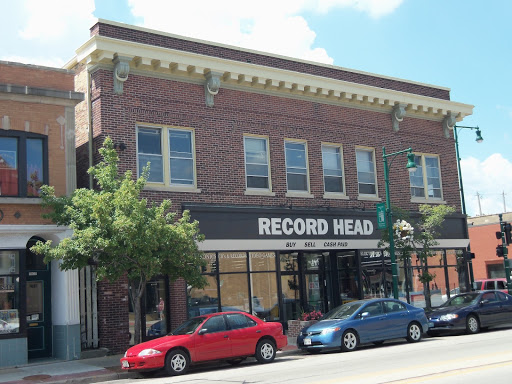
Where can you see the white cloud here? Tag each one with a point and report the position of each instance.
(267, 25)
(51, 20)
(490, 179)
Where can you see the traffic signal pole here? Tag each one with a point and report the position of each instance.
(505, 238)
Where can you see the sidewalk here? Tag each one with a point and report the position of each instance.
(83, 371)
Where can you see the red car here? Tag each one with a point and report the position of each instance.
(229, 336)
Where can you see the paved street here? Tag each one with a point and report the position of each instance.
(448, 359)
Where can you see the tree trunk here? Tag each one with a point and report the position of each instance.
(138, 289)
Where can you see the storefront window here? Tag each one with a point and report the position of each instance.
(205, 300)
(232, 262)
(265, 302)
(347, 276)
(9, 292)
(234, 292)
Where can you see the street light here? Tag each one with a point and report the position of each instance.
(479, 139)
(411, 167)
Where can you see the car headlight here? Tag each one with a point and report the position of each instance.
(329, 330)
(448, 317)
(149, 352)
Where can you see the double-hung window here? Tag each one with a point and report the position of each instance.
(426, 179)
(366, 177)
(332, 162)
(170, 152)
(296, 166)
(23, 163)
(257, 169)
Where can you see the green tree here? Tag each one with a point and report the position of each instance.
(121, 233)
(420, 239)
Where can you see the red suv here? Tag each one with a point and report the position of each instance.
(499, 284)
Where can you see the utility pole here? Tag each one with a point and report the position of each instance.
(479, 206)
(504, 205)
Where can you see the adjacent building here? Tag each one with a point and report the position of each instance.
(39, 313)
(280, 160)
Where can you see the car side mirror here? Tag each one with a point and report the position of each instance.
(364, 314)
(484, 302)
(202, 331)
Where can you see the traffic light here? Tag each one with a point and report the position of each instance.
(470, 255)
(499, 251)
(507, 228)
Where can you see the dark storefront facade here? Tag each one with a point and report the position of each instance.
(277, 263)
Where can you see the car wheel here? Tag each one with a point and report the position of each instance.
(413, 333)
(236, 361)
(472, 324)
(177, 362)
(349, 341)
(265, 351)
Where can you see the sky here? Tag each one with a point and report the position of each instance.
(464, 45)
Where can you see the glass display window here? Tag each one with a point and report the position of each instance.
(9, 292)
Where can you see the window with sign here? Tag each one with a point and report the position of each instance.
(9, 292)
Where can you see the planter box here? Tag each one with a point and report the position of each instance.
(294, 328)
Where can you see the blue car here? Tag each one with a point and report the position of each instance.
(364, 321)
(470, 312)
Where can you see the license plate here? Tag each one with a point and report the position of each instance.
(307, 341)
(126, 364)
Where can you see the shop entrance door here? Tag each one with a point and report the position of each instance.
(39, 322)
(315, 282)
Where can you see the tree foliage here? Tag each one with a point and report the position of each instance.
(121, 233)
(421, 241)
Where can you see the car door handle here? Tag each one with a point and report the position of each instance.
(259, 331)
(226, 336)
(382, 318)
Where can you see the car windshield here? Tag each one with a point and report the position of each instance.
(343, 311)
(189, 326)
(462, 300)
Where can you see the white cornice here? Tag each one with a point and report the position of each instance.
(100, 50)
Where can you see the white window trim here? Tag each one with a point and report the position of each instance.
(294, 193)
(334, 195)
(259, 191)
(166, 184)
(364, 196)
(426, 199)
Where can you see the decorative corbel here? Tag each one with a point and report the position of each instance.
(448, 124)
(121, 71)
(397, 115)
(211, 87)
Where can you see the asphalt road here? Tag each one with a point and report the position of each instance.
(446, 359)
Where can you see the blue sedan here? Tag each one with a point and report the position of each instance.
(364, 321)
(472, 311)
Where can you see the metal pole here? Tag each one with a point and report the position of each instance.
(505, 251)
(463, 203)
(390, 227)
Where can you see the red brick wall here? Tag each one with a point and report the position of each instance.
(39, 116)
(36, 76)
(113, 307)
(219, 139)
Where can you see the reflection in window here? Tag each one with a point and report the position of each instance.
(296, 166)
(205, 300)
(9, 292)
(234, 292)
(155, 310)
(265, 303)
(256, 162)
(366, 171)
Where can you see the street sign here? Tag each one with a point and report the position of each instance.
(381, 215)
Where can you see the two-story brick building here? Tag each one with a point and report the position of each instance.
(39, 314)
(280, 160)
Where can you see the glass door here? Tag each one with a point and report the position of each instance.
(315, 283)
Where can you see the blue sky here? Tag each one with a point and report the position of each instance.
(465, 45)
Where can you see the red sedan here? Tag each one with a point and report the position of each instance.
(229, 336)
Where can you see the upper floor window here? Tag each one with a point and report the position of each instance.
(333, 168)
(256, 162)
(23, 163)
(426, 179)
(296, 166)
(170, 152)
(365, 160)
